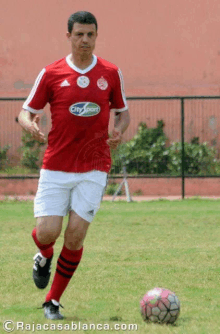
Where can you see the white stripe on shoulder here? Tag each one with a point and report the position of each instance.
(34, 88)
(122, 90)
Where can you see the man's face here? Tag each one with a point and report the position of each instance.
(82, 38)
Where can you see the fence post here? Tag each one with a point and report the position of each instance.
(182, 151)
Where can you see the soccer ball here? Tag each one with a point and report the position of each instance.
(160, 305)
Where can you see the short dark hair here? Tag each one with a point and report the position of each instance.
(83, 18)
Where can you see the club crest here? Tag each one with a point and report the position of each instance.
(102, 83)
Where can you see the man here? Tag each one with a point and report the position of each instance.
(81, 89)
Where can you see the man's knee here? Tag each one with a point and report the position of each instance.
(75, 232)
(48, 229)
(46, 237)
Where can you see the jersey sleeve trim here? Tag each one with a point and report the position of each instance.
(122, 91)
(120, 110)
(33, 91)
(34, 111)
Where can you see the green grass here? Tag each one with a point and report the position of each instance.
(130, 249)
(18, 170)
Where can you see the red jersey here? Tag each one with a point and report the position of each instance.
(80, 103)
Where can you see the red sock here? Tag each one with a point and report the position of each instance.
(46, 250)
(67, 263)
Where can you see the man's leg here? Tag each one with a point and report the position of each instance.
(85, 201)
(45, 234)
(70, 255)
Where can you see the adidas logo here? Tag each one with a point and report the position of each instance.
(65, 83)
(91, 212)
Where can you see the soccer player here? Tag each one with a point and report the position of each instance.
(81, 90)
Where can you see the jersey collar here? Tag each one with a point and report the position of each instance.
(75, 68)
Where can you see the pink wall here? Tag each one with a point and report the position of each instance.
(162, 47)
(148, 187)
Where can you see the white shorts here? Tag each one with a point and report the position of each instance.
(60, 192)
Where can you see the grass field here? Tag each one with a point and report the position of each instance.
(130, 249)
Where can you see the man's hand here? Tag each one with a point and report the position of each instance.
(29, 122)
(35, 131)
(115, 139)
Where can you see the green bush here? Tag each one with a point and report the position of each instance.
(147, 153)
(111, 189)
(3, 156)
(30, 151)
(199, 159)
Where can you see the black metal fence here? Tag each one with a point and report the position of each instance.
(185, 118)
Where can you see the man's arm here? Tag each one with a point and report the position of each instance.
(122, 120)
(29, 122)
